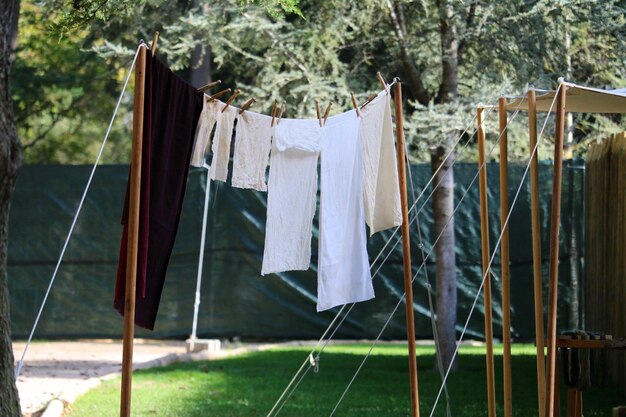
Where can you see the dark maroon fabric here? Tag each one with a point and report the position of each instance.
(171, 111)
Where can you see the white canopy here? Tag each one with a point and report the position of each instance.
(579, 99)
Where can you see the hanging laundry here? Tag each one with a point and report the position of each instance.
(253, 140)
(202, 140)
(343, 271)
(382, 190)
(221, 142)
(292, 196)
(171, 112)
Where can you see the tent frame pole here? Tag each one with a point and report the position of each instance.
(484, 235)
(536, 237)
(406, 249)
(133, 233)
(504, 252)
(555, 221)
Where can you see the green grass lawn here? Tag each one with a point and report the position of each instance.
(248, 385)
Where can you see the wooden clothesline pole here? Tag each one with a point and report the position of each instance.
(133, 234)
(553, 272)
(406, 248)
(504, 251)
(484, 235)
(536, 233)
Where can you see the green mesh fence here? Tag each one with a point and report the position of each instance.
(236, 300)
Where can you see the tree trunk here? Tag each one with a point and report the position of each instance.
(443, 207)
(10, 161)
(443, 198)
(201, 66)
(201, 60)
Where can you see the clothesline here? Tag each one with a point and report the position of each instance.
(279, 112)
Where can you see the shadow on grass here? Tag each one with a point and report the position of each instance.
(249, 385)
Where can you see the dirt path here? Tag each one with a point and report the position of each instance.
(66, 370)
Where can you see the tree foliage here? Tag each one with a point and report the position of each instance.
(297, 51)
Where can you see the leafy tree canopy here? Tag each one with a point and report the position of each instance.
(297, 51)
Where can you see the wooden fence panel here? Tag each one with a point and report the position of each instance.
(605, 245)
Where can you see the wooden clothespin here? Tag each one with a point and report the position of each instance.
(246, 105)
(274, 112)
(317, 110)
(382, 81)
(356, 106)
(369, 100)
(154, 43)
(230, 99)
(280, 113)
(209, 86)
(219, 94)
(330, 104)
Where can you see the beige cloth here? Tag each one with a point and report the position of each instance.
(221, 142)
(253, 140)
(382, 189)
(203, 132)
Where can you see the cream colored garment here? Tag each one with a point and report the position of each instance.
(253, 140)
(291, 196)
(382, 190)
(221, 142)
(203, 132)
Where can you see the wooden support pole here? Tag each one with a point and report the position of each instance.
(536, 233)
(553, 271)
(484, 236)
(406, 249)
(504, 251)
(133, 234)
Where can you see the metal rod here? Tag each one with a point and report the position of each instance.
(196, 304)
